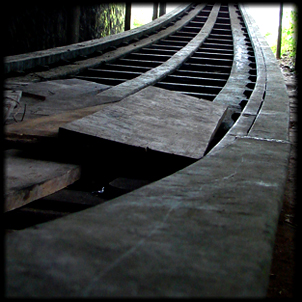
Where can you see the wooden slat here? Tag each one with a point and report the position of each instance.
(54, 97)
(28, 179)
(45, 127)
(157, 119)
(62, 101)
(63, 89)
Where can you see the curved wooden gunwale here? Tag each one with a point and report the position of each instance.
(207, 230)
(72, 69)
(50, 56)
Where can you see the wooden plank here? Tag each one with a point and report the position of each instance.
(157, 119)
(57, 96)
(28, 179)
(45, 127)
(63, 89)
(34, 129)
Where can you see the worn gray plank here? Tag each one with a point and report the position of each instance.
(57, 113)
(28, 179)
(63, 89)
(157, 119)
(57, 96)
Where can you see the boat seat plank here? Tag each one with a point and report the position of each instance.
(155, 119)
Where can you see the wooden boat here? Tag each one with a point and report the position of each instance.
(202, 227)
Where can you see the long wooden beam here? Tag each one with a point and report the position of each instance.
(49, 56)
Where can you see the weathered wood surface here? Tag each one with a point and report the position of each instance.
(51, 104)
(63, 89)
(57, 96)
(45, 127)
(157, 119)
(28, 179)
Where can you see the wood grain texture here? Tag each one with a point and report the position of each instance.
(51, 104)
(63, 89)
(47, 126)
(57, 96)
(157, 119)
(28, 179)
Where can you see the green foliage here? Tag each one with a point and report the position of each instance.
(292, 33)
(289, 36)
(110, 19)
(136, 23)
(140, 16)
